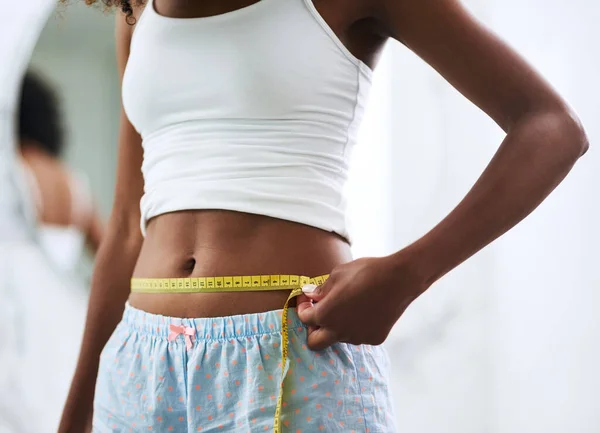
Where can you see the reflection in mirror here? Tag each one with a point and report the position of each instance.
(74, 58)
(57, 145)
(67, 213)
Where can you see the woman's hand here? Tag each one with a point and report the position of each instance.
(360, 302)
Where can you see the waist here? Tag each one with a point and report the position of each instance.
(212, 243)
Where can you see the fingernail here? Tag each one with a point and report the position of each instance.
(309, 288)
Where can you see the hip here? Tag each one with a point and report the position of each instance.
(225, 374)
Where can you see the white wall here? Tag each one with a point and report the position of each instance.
(546, 286)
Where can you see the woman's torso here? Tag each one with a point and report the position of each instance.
(191, 243)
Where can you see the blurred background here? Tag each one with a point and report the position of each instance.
(510, 341)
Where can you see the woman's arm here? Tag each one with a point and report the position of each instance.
(94, 232)
(114, 264)
(544, 139)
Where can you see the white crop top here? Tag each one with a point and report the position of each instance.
(254, 110)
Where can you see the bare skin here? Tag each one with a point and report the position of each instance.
(56, 205)
(544, 139)
(205, 243)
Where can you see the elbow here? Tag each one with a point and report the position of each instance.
(559, 132)
(574, 132)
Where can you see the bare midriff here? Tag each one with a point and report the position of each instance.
(224, 243)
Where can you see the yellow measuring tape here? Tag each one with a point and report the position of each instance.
(253, 283)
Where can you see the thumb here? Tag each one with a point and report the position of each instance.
(307, 313)
(303, 303)
(316, 293)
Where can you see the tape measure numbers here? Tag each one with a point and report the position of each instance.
(251, 283)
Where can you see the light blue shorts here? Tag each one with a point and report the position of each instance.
(166, 374)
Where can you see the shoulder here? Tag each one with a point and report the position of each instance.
(126, 22)
(138, 9)
(124, 28)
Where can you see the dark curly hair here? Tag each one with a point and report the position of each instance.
(40, 116)
(126, 6)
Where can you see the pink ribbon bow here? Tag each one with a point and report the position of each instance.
(188, 334)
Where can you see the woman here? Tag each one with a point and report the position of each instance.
(247, 113)
(67, 215)
(45, 270)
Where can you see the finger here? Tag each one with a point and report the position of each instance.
(316, 293)
(310, 330)
(307, 312)
(321, 339)
(302, 303)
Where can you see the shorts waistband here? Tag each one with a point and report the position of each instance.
(212, 328)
